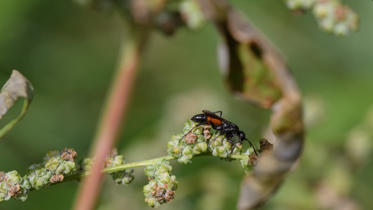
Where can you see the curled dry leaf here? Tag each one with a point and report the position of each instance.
(16, 87)
(241, 55)
(256, 72)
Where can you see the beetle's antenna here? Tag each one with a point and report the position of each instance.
(252, 145)
(189, 132)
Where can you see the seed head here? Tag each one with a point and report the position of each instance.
(161, 187)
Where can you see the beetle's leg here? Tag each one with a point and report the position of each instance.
(228, 129)
(211, 140)
(218, 128)
(229, 138)
(217, 135)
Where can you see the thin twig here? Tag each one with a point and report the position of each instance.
(78, 175)
(136, 164)
(109, 127)
(152, 161)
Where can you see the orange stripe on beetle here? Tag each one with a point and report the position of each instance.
(214, 120)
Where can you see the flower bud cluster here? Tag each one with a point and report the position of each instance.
(162, 185)
(189, 143)
(332, 15)
(55, 167)
(11, 186)
(335, 17)
(200, 139)
(120, 177)
(61, 163)
(221, 147)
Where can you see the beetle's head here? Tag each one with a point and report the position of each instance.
(199, 118)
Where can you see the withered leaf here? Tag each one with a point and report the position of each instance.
(16, 87)
(248, 74)
(245, 55)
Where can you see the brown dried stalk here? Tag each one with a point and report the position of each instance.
(274, 88)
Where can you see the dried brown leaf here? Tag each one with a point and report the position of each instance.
(242, 56)
(16, 87)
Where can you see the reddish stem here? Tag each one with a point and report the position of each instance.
(110, 124)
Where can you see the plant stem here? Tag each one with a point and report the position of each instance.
(136, 164)
(110, 123)
(144, 163)
(152, 161)
(12, 123)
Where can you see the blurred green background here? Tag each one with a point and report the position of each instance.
(69, 53)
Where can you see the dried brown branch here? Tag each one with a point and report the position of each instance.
(256, 72)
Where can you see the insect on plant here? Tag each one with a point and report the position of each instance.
(223, 126)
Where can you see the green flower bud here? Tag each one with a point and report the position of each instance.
(248, 159)
(61, 162)
(38, 178)
(13, 177)
(220, 147)
(120, 177)
(87, 164)
(200, 148)
(52, 164)
(188, 150)
(123, 177)
(237, 149)
(192, 13)
(300, 4)
(174, 148)
(51, 154)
